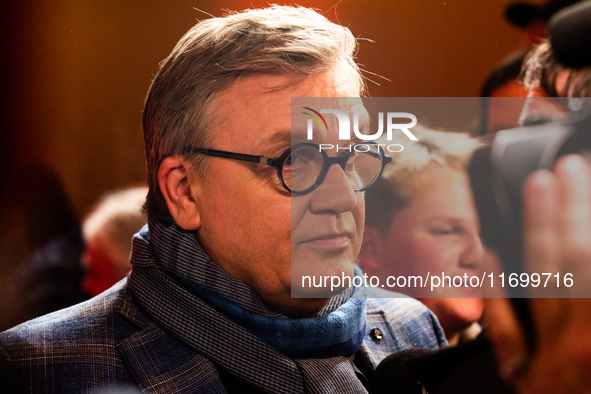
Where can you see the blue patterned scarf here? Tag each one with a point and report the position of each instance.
(338, 333)
(189, 295)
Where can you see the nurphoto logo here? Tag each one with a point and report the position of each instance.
(344, 124)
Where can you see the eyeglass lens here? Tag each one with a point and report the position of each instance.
(305, 165)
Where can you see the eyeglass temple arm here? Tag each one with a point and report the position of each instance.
(236, 156)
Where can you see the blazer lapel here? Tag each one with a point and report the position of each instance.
(160, 363)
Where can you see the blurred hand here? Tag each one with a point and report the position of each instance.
(557, 238)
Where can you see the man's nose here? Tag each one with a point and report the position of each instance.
(335, 194)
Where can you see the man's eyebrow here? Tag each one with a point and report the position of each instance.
(284, 138)
(280, 139)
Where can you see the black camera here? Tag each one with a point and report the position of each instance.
(498, 170)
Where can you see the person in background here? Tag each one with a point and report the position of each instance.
(555, 355)
(79, 264)
(30, 222)
(503, 95)
(545, 75)
(533, 19)
(420, 217)
(42, 239)
(107, 232)
(557, 215)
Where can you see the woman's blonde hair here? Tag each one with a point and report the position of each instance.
(395, 188)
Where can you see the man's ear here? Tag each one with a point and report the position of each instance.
(371, 250)
(174, 181)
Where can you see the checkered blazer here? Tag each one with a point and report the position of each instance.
(109, 343)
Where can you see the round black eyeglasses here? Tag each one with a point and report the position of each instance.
(303, 167)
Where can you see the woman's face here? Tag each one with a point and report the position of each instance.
(438, 234)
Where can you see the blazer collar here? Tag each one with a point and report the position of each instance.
(159, 362)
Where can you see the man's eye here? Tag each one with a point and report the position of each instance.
(302, 157)
(294, 161)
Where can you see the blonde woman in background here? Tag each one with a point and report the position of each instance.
(421, 218)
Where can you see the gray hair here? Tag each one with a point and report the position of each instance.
(114, 220)
(178, 112)
(542, 68)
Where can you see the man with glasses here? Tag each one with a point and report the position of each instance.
(238, 205)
